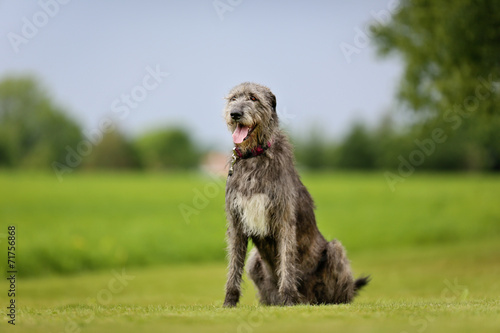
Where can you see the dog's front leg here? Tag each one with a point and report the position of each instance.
(237, 244)
(287, 266)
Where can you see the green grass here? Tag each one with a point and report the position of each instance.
(435, 289)
(90, 222)
(432, 248)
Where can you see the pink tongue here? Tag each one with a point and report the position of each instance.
(240, 133)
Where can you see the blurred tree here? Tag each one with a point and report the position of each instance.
(312, 152)
(357, 151)
(389, 143)
(33, 131)
(113, 152)
(451, 52)
(167, 149)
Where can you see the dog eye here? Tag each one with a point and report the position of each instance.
(253, 98)
(233, 99)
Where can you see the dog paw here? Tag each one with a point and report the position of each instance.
(290, 298)
(229, 304)
(231, 299)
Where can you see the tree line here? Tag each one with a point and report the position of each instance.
(390, 147)
(450, 87)
(37, 134)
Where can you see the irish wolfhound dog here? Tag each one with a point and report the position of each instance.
(292, 262)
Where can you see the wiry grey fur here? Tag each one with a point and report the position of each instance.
(266, 202)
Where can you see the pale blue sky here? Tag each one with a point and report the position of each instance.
(89, 53)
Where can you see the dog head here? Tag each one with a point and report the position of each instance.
(250, 114)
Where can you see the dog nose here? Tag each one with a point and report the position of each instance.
(236, 115)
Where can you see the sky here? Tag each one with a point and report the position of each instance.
(154, 64)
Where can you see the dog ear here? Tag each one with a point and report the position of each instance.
(272, 99)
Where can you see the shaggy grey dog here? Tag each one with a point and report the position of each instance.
(266, 202)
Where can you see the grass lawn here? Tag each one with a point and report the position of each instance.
(430, 289)
(97, 221)
(114, 253)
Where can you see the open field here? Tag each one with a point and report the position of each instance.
(106, 253)
(91, 222)
(434, 289)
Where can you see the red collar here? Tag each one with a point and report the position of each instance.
(259, 150)
(237, 153)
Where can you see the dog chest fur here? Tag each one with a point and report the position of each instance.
(254, 213)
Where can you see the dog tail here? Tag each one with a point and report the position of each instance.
(360, 283)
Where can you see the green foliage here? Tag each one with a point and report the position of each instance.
(357, 151)
(314, 152)
(99, 221)
(449, 48)
(168, 149)
(33, 131)
(113, 152)
(451, 55)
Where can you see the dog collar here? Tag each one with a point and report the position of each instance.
(238, 154)
(259, 150)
